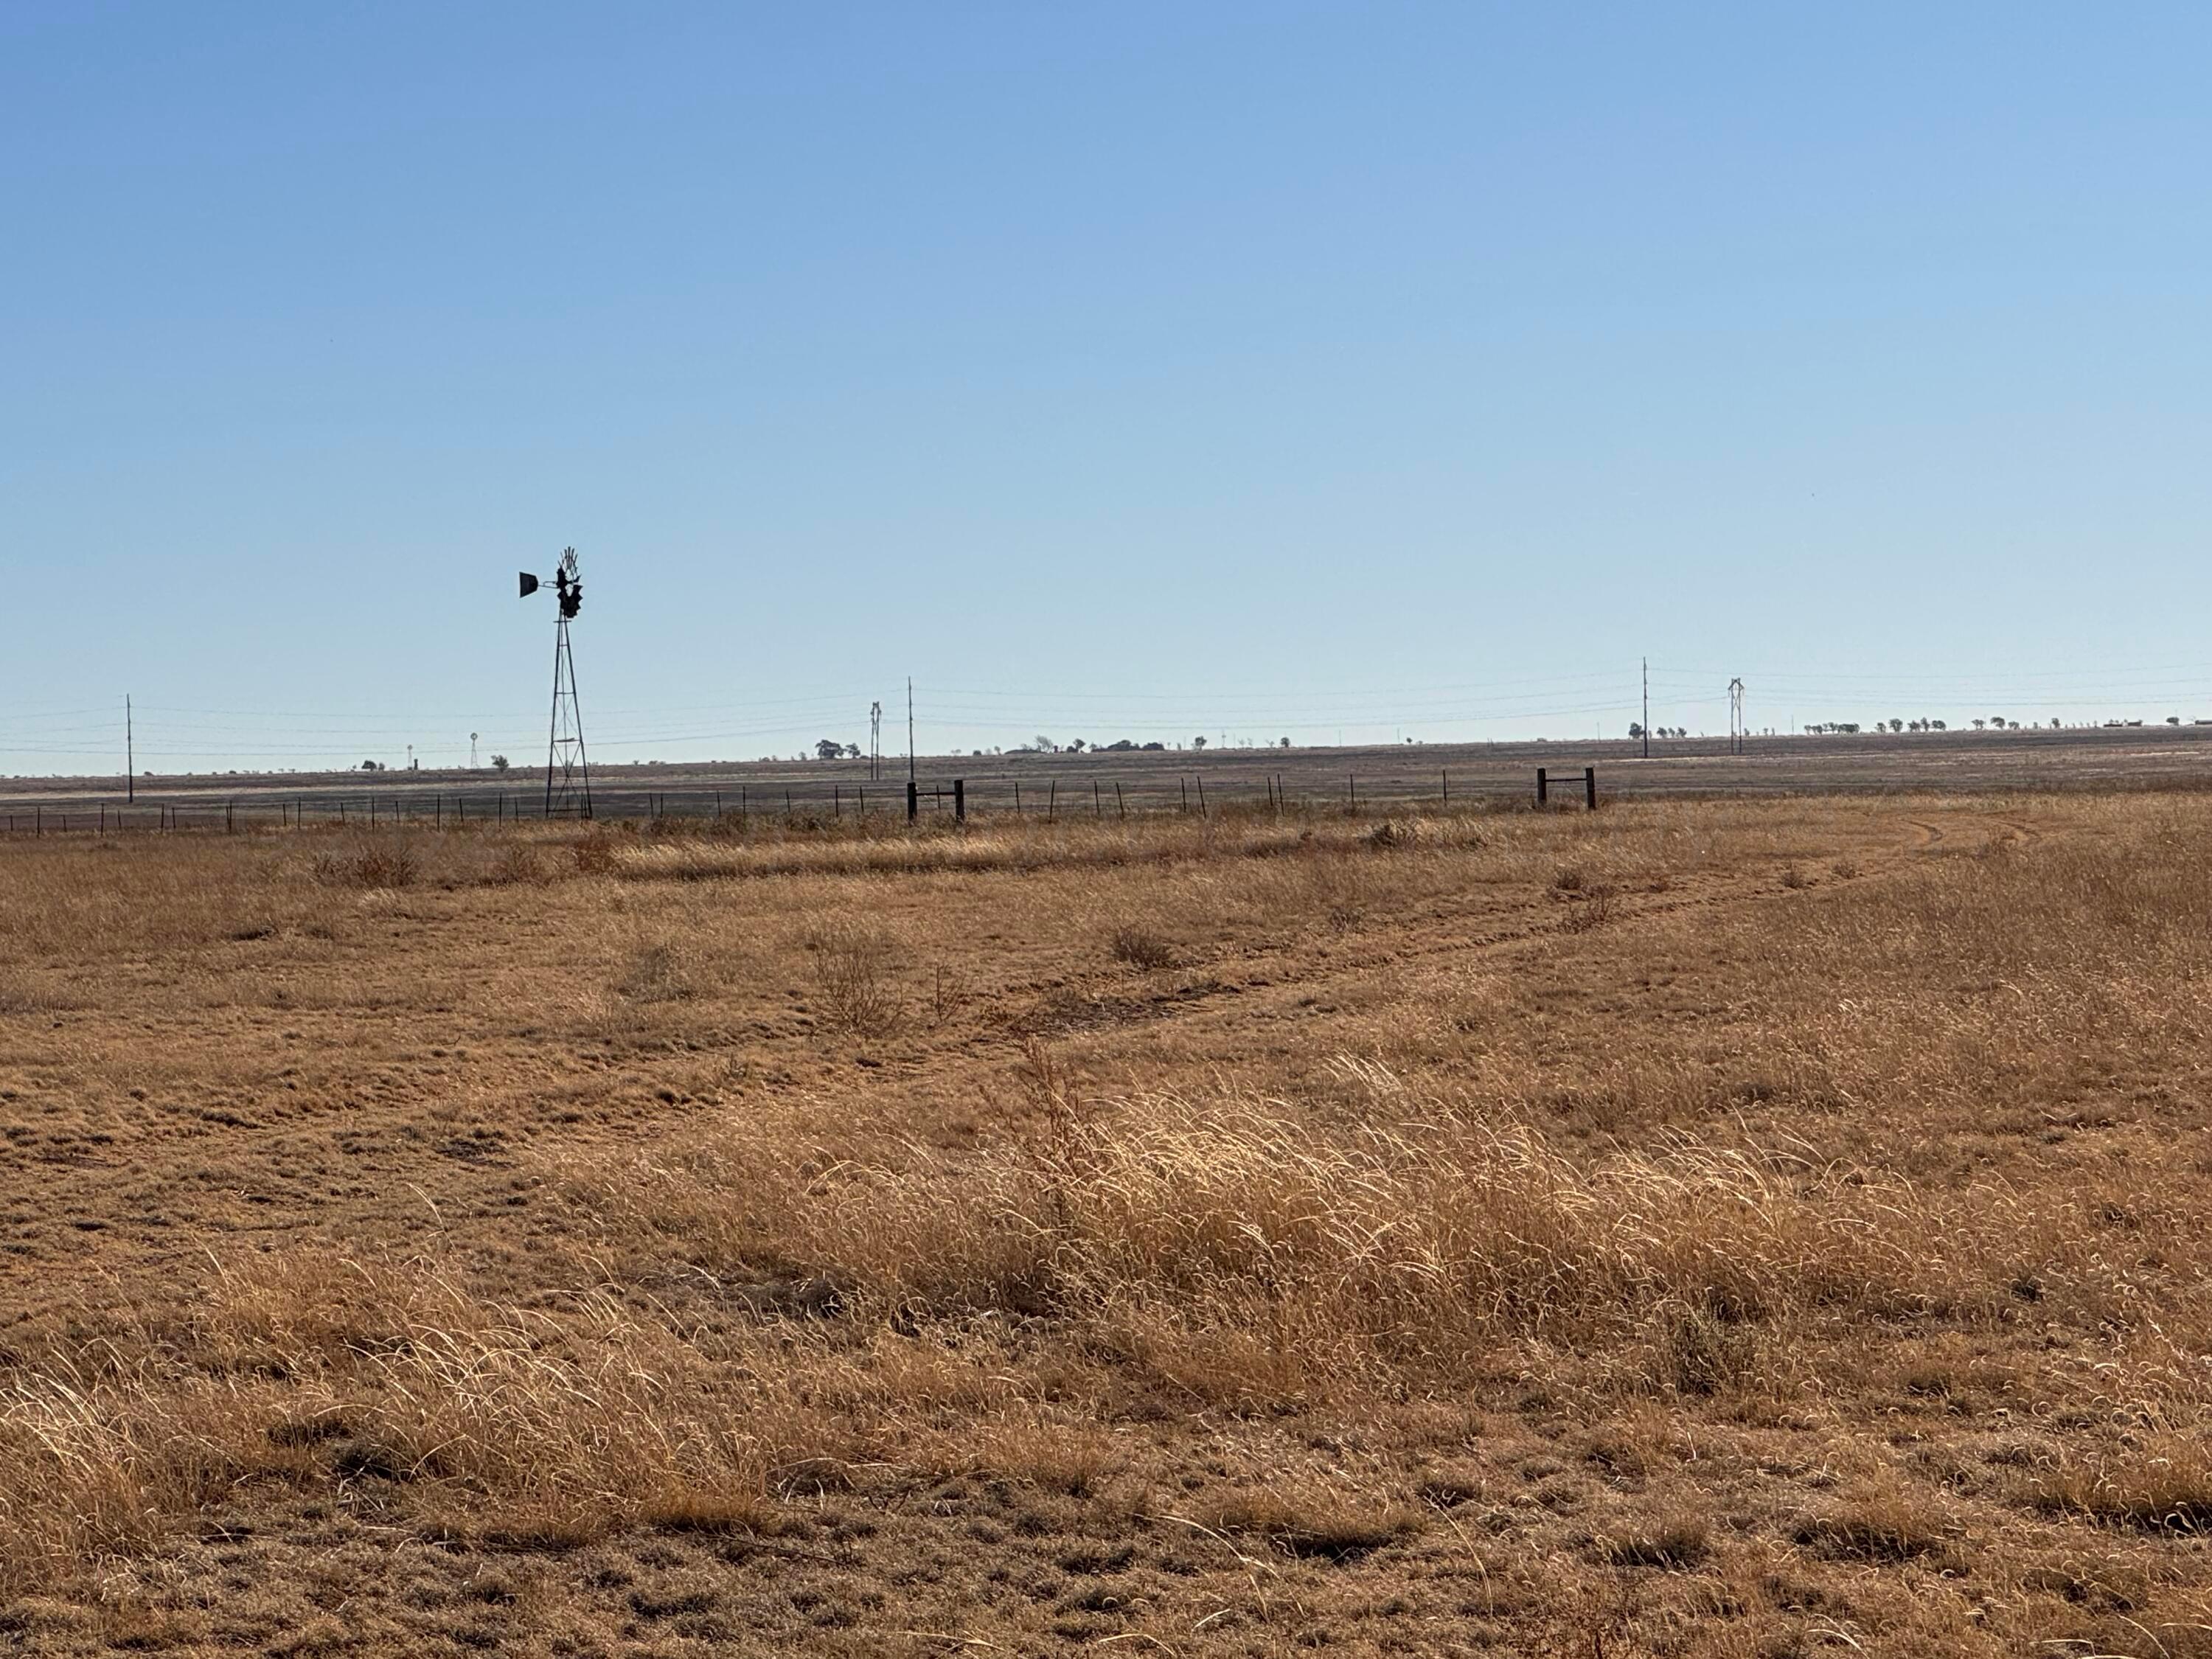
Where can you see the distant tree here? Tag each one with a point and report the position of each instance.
(2054, 722)
(370, 766)
(1199, 742)
(1978, 725)
(1076, 746)
(1044, 744)
(1158, 747)
(2173, 719)
(499, 763)
(852, 751)
(1938, 726)
(1996, 721)
(1635, 730)
(829, 748)
(1897, 724)
(1283, 744)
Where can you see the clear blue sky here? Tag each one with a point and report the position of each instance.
(1115, 370)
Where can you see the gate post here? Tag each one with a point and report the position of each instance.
(913, 800)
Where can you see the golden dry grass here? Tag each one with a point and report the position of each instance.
(1696, 1228)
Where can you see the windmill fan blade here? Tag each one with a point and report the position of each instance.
(529, 585)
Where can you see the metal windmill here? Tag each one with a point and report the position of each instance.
(567, 769)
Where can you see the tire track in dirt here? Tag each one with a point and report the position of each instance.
(1710, 893)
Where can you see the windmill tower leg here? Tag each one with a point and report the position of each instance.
(567, 768)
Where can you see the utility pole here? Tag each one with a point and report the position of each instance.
(909, 728)
(875, 740)
(1737, 730)
(1647, 708)
(129, 753)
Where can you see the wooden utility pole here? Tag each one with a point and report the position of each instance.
(130, 752)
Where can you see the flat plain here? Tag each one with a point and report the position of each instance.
(1733, 1227)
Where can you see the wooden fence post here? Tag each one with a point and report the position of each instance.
(1542, 790)
(1589, 785)
(960, 800)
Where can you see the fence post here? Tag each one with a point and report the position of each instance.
(1447, 778)
(960, 800)
(1352, 783)
(1051, 799)
(1542, 792)
(1120, 806)
(1018, 797)
(913, 800)
(229, 818)
(1098, 807)
(1589, 785)
(837, 800)
(1201, 798)
(1183, 784)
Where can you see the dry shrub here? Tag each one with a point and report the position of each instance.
(1699, 1352)
(1593, 908)
(851, 959)
(373, 862)
(596, 855)
(1140, 948)
(668, 969)
(517, 864)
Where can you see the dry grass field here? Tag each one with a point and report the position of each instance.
(1699, 1228)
